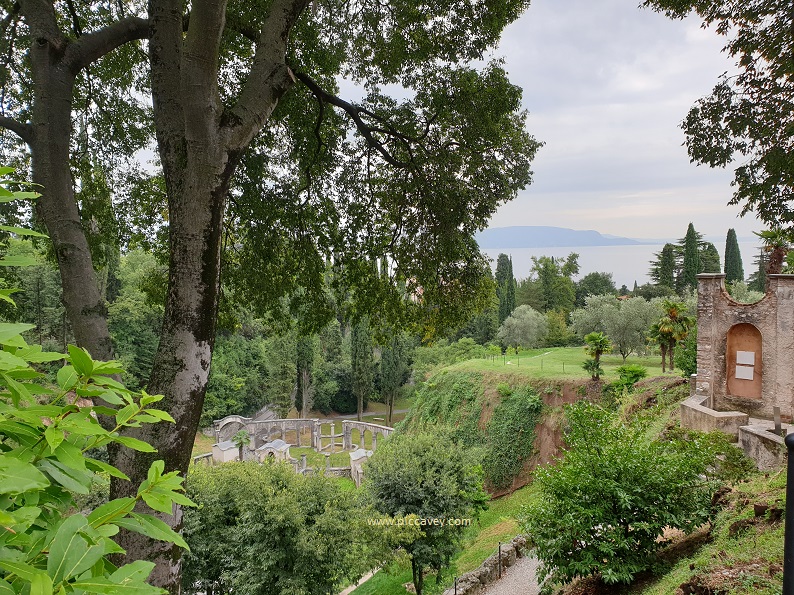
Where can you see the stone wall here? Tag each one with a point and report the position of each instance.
(745, 350)
(475, 582)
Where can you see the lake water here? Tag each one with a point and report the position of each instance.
(626, 263)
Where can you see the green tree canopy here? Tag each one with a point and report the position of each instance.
(748, 115)
(594, 284)
(429, 476)
(554, 277)
(734, 271)
(525, 328)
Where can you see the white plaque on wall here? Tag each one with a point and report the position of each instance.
(744, 372)
(745, 357)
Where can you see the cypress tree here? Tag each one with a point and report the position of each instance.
(757, 281)
(691, 264)
(361, 362)
(505, 286)
(734, 271)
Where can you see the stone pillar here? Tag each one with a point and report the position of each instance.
(374, 440)
(303, 462)
(710, 289)
(316, 435)
(298, 428)
(347, 435)
(782, 386)
(327, 461)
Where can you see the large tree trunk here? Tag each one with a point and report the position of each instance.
(199, 144)
(57, 208)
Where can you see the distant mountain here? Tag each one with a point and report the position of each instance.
(533, 236)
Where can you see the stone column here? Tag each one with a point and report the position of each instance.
(303, 462)
(347, 435)
(374, 440)
(327, 462)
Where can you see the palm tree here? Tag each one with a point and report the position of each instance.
(597, 343)
(777, 242)
(672, 327)
(240, 439)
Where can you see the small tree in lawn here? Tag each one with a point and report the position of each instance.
(431, 477)
(597, 344)
(241, 439)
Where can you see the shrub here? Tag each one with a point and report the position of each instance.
(604, 506)
(686, 354)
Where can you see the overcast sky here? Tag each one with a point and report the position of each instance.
(607, 85)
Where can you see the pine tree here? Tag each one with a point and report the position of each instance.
(505, 286)
(709, 258)
(361, 362)
(691, 262)
(663, 268)
(734, 271)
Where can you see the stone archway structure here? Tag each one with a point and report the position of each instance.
(745, 351)
(262, 432)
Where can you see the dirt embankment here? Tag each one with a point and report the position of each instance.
(548, 431)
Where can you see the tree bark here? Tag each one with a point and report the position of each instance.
(199, 144)
(55, 62)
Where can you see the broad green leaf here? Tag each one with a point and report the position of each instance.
(67, 377)
(5, 295)
(17, 477)
(22, 231)
(41, 584)
(11, 362)
(151, 527)
(112, 398)
(109, 367)
(72, 479)
(5, 170)
(70, 554)
(6, 589)
(102, 466)
(158, 501)
(125, 413)
(24, 571)
(69, 454)
(135, 571)
(54, 437)
(147, 399)
(34, 353)
(81, 361)
(107, 587)
(9, 330)
(161, 415)
(135, 444)
(81, 423)
(110, 510)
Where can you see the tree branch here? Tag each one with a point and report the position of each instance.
(23, 131)
(355, 114)
(269, 78)
(43, 24)
(92, 46)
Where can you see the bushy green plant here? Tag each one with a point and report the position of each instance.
(48, 437)
(686, 354)
(604, 506)
(263, 529)
(45, 435)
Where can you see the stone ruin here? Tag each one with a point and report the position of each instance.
(264, 448)
(744, 384)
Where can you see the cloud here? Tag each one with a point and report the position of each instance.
(607, 85)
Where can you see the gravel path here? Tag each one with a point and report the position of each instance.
(519, 579)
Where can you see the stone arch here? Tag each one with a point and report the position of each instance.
(743, 361)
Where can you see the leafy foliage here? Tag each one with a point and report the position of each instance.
(505, 286)
(748, 116)
(262, 529)
(597, 344)
(511, 436)
(524, 327)
(603, 507)
(431, 477)
(45, 461)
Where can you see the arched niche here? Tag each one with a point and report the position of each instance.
(743, 361)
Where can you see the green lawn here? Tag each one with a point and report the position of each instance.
(562, 363)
